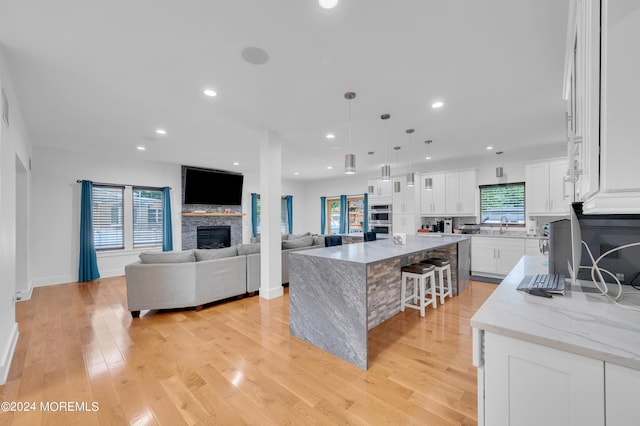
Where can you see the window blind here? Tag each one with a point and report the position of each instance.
(147, 217)
(502, 200)
(108, 211)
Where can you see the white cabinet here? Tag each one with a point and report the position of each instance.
(432, 201)
(601, 88)
(406, 223)
(531, 384)
(495, 255)
(379, 188)
(407, 199)
(547, 191)
(460, 193)
(621, 385)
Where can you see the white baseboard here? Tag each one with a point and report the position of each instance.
(23, 295)
(271, 293)
(60, 279)
(7, 354)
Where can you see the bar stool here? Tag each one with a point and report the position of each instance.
(421, 295)
(441, 266)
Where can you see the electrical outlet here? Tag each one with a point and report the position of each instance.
(620, 277)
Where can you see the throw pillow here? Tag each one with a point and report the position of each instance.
(167, 257)
(211, 254)
(298, 243)
(297, 236)
(244, 249)
(318, 240)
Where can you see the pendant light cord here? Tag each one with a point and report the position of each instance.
(350, 147)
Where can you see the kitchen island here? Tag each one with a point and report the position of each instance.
(579, 353)
(337, 294)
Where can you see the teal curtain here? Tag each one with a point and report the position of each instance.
(289, 199)
(323, 215)
(254, 214)
(365, 225)
(88, 264)
(167, 232)
(344, 228)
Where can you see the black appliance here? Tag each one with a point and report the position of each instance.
(217, 187)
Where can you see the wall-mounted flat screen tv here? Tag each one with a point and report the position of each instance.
(204, 186)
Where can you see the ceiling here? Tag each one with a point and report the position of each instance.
(102, 76)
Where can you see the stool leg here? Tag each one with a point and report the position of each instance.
(449, 284)
(434, 299)
(422, 280)
(403, 292)
(441, 282)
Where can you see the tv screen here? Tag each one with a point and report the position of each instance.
(202, 186)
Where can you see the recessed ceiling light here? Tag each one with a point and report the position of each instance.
(210, 92)
(235, 163)
(329, 167)
(331, 136)
(296, 173)
(161, 131)
(141, 148)
(254, 55)
(328, 4)
(437, 105)
(428, 158)
(489, 148)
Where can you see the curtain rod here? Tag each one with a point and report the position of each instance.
(123, 184)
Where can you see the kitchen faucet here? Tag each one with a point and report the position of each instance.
(504, 221)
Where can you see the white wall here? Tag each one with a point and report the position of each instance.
(55, 210)
(14, 155)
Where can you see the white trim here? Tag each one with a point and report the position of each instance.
(271, 293)
(54, 280)
(7, 354)
(23, 295)
(613, 203)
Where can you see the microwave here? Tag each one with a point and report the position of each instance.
(380, 208)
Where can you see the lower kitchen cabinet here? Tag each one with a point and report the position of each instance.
(531, 384)
(621, 386)
(495, 255)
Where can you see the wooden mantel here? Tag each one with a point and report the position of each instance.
(212, 214)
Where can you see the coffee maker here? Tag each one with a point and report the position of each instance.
(532, 227)
(448, 226)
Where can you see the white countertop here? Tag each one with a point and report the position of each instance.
(375, 251)
(579, 322)
(507, 234)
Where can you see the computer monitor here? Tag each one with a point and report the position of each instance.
(573, 262)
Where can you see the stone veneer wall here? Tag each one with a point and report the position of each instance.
(384, 280)
(190, 223)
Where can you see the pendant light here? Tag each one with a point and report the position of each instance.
(385, 171)
(411, 176)
(428, 182)
(370, 188)
(499, 169)
(396, 184)
(350, 158)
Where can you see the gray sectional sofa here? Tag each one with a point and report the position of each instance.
(169, 280)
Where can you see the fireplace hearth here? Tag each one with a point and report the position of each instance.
(213, 237)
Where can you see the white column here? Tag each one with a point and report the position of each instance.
(270, 239)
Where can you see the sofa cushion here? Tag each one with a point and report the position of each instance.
(167, 257)
(318, 240)
(211, 254)
(244, 249)
(298, 243)
(297, 236)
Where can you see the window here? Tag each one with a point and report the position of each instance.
(108, 207)
(284, 221)
(502, 201)
(147, 217)
(355, 212)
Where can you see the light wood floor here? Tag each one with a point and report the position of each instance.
(233, 363)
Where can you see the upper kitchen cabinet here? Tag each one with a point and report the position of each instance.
(461, 193)
(379, 188)
(406, 199)
(547, 189)
(601, 88)
(432, 201)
